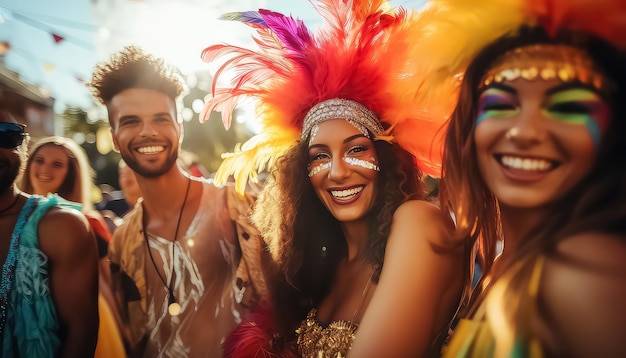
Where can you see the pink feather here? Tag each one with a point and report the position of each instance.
(292, 32)
(254, 338)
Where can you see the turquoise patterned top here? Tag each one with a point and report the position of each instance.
(31, 329)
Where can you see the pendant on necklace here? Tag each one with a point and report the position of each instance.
(173, 308)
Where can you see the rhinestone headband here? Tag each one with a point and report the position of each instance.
(545, 62)
(355, 113)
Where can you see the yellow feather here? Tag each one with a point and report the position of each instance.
(454, 31)
(430, 52)
(256, 155)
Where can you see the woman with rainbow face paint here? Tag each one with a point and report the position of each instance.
(534, 172)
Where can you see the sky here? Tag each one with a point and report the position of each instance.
(54, 44)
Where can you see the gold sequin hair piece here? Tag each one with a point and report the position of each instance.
(546, 62)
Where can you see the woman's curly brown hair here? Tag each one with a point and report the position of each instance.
(132, 67)
(304, 238)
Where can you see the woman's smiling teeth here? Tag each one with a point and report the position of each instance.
(528, 164)
(346, 193)
(153, 149)
(44, 178)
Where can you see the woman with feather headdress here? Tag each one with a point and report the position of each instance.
(534, 159)
(348, 135)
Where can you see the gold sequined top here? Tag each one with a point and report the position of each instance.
(333, 341)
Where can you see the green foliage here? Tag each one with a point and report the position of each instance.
(209, 140)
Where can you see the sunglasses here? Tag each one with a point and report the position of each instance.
(11, 135)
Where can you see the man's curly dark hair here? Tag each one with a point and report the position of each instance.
(133, 67)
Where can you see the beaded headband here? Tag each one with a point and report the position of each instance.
(353, 112)
(546, 62)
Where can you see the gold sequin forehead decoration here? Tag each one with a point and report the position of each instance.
(546, 62)
(338, 108)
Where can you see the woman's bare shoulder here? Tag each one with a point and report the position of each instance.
(419, 216)
(583, 291)
(418, 212)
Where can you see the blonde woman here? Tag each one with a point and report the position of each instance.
(58, 165)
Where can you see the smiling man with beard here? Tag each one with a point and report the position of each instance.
(49, 287)
(174, 257)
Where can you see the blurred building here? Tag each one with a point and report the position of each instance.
(27, 103)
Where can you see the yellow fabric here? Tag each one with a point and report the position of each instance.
(465, 339)
(109, 339)
(474, 337)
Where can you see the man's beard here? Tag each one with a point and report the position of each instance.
(150, 173)
(8, 177)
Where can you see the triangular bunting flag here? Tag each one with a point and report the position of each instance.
(57, 38)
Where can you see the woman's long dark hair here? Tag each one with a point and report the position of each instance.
(595, 204)
(307, 241)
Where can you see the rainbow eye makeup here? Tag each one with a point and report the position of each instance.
(580, 106)
(495, 103)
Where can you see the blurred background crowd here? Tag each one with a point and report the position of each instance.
(48, 50)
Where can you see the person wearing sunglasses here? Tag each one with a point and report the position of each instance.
(49, 284)
(12, 135)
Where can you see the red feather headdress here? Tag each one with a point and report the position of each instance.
(360, 53)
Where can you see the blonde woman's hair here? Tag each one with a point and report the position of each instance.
(76, 186)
